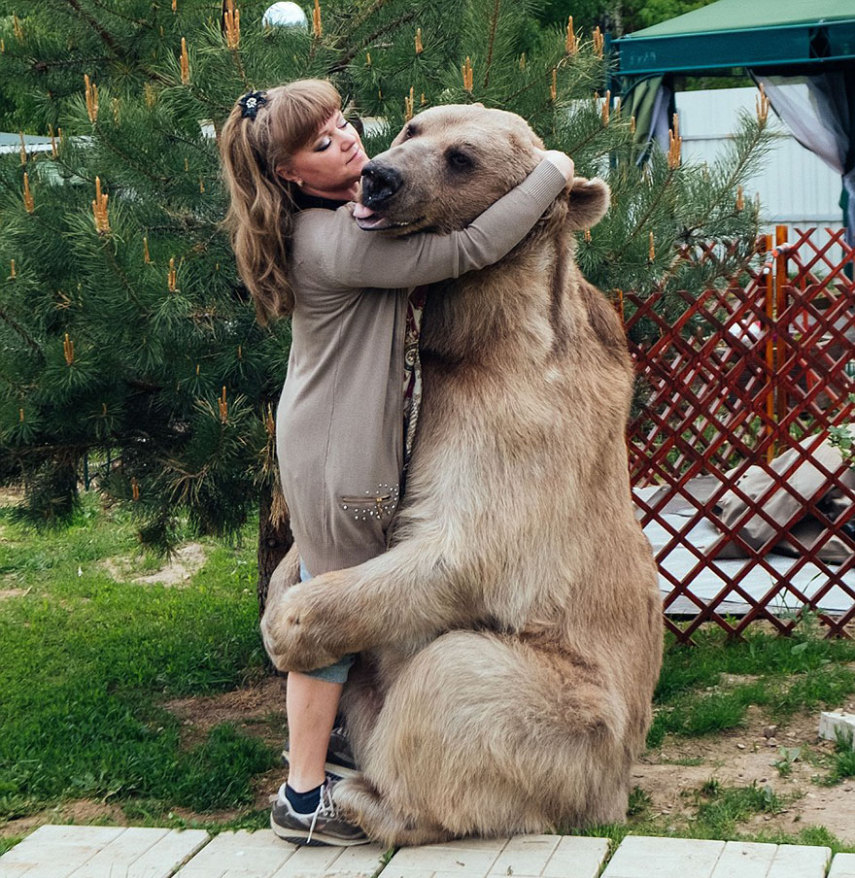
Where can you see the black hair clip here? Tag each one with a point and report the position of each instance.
(250, 103)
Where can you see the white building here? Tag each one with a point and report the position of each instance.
(796, 187)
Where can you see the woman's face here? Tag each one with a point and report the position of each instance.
(331, 164)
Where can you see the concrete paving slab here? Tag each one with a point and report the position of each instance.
(744, 860)
(99, 851)
(799, 861)
(525, 856)
(842, 866)
(580, 856)
(56, 851)
(171, 851)
(261, 854)
(361, 861)
(120, 852)
(242, 853)
(642, 857)
(143, 853)
(467, 857)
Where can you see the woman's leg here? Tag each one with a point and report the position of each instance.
(304, 811)
(311, 705)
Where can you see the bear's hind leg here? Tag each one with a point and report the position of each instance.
(486, 735)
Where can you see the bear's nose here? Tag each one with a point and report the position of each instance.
(379, 183)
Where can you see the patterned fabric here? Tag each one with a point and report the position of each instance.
(412, 368)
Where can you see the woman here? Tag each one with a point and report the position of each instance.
(292, 163)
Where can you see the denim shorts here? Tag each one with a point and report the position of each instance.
(338, 672)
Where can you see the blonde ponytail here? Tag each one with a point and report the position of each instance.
(261, 211)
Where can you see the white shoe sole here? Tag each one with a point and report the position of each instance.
(319, 839)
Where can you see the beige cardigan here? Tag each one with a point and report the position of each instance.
(339, 424)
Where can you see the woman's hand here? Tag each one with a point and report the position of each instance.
(561, 160)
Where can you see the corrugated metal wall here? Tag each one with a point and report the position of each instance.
(795, 186)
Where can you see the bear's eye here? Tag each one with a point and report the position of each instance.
(459, 160)
(410, 131)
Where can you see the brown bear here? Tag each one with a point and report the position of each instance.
(511, 635)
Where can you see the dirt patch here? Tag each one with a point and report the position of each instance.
(81, 811)
(673, 773)
(183, 564)
(11, 495)
(6, 593)
(259, 708)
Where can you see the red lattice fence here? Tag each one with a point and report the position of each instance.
(741, 377)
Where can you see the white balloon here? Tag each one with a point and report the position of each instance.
(285, 15)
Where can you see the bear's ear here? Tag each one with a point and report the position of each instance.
(589, 201)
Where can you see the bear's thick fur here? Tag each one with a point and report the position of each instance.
(511, 636)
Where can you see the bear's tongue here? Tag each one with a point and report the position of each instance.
(367, 220)
(360, 211)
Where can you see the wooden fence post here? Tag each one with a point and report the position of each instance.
(770, 354)
(780, 330)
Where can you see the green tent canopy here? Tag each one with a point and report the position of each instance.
(743, 33)
(801, 51)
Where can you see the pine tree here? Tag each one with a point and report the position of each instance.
(126, 336)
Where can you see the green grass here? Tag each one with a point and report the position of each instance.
(843, 765)
(88, 661)
(785, 675)
(714, 811)
(6, 844)
(721, 809)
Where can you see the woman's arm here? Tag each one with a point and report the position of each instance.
(334, 246)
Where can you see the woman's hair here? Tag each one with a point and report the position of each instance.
(260, 216)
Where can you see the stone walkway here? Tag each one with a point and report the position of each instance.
(118, 852)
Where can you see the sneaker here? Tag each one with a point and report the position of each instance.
(340, 762)
(325, 826)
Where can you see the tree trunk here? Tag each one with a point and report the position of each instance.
(273, 544)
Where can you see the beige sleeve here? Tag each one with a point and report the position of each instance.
(331, 244)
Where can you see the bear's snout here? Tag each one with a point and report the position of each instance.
(379, 183)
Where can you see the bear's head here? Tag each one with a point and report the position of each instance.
(450, 163)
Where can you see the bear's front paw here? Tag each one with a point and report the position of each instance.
(291, 632)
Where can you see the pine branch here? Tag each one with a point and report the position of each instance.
(145, 386)
(45, 66)
(104, 35)
(722, 193)
(494, 23)
(661, 190)
(578, 145)
(724, 270)
(239, 64)
(120, 273)
(345, 59)
(378, 5)
(45, 451)
(4, 315)
(112, 10)
(155, 178)
(725, 190)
